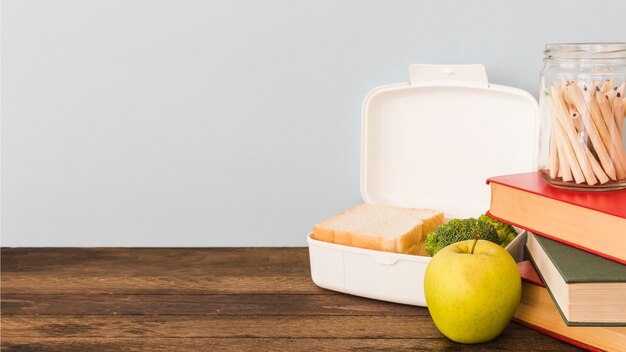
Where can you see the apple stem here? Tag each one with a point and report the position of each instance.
(474, 245)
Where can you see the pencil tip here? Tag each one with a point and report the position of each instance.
(606, 96)
(615, 88)
(619, 94)
(597, 88)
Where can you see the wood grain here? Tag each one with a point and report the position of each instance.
(273, 344)
(252, 304)
(221, 326)
(223, 299)
(157, 271)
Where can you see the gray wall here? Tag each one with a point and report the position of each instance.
(227, 123)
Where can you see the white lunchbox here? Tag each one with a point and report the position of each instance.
(430, 143)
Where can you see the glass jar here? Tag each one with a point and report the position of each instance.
(582, 139)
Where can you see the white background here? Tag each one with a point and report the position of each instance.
(227, 123)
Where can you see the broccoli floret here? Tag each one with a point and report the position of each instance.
(509, 238)
(506, 232)
(457, 230)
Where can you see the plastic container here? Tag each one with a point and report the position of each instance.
(429, 143)
(582, 140)
(385, 276)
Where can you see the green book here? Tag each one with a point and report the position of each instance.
(587, 289)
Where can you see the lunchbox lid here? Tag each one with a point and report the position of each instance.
(433, 142)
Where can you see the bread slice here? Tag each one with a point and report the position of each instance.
(381, 228)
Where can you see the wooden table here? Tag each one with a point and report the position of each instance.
(250, 299)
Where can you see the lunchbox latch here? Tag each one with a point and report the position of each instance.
(474, 75)
(384, 258)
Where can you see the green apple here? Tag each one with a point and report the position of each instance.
(472, 289)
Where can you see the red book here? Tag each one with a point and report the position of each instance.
(528, 273)
(593, 221)
(538, 312)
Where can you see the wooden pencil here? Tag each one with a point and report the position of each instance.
(618, 113)
(576, 97)
(616, 138)
(575, 118)
(597, 169)
(566, 136)
(603, 129)
(553, 161)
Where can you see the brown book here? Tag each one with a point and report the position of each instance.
(538, 311)
(592, 221)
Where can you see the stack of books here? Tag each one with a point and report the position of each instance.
(574, 284)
